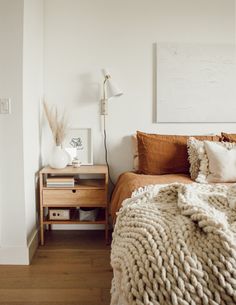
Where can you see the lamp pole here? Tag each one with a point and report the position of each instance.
(104, 101)
(109, 91)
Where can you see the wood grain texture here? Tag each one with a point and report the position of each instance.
(73, 268)
(83, 184)
(90, 193)
(73, 198)
(84, 169)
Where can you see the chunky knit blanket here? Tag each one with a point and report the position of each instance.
(176, 245)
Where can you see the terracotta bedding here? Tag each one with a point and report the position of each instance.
(130, 181)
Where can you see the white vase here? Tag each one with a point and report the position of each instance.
(59, 158)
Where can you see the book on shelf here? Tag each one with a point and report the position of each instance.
(60, 182)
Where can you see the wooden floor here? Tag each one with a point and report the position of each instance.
(73, 268)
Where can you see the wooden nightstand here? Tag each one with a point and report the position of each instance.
(87, 192)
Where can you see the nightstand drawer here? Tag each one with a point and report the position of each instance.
(74, 197)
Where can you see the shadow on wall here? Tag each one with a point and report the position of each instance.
(89, 90)
(120, 156)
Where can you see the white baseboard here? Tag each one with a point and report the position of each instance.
(23, 255)
(33, 244)
(19, 255)
(14, 255)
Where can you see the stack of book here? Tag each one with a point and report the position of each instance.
(60, 182)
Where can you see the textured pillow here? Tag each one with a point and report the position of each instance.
(193, 157)
(135, 152)
(228, 137)
(222, 162)
(193, 154)
(164, 154)
(199, 159)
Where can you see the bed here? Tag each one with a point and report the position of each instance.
(174, 240)
(130, 181)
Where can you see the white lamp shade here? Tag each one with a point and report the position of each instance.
(112, 89)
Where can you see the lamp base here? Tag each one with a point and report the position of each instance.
(104, 107)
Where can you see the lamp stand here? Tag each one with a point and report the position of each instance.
(104, 100)
(105, 148)
(104, 113)
(109, 90)
(104, 106)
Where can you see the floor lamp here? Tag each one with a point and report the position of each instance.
(109, 90)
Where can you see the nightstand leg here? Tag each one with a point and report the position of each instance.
(42, 234)
(41, 209)
(107, 227)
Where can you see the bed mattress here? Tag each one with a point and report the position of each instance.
(130, 181)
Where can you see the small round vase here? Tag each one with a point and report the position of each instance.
(59, 158)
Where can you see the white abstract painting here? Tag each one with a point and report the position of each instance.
(196, 83)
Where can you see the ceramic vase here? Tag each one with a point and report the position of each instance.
(59, 158)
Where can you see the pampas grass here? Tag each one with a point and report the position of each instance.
(58, 124)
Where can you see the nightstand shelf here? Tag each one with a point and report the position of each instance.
(82, 184)
(75, 219)
(86, 193)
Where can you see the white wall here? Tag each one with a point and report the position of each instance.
(21, 28)
(11, 133)
(32, 94)
(83, 36)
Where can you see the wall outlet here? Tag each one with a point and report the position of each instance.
(5, 106)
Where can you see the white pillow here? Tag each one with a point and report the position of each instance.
(222, 162)
(199, 163)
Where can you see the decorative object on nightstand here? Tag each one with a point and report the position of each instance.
(59, 158)
(85, 193)
(76, 162)
(60, 181)
(78, 142)
(109, 91)
(59, 214)
(58, 125)
(89, 214)
(71, 151)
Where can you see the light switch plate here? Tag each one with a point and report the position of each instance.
(5, 106)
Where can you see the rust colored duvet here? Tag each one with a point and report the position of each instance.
(130, 181)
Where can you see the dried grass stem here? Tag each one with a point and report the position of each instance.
(58, 125)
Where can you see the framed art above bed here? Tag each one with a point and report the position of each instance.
(193, 80)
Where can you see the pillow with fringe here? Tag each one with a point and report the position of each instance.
(135, 152)
(198, 159)
(228, 137)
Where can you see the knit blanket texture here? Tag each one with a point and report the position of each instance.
(176, 245)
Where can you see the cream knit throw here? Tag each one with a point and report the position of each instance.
(176, 245)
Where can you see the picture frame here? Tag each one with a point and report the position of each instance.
(189, 78)
(78, 143)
